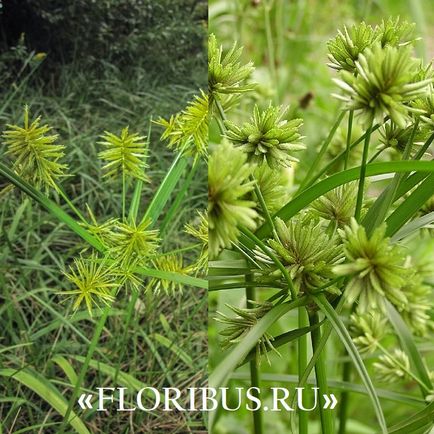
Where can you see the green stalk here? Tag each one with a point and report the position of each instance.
(391, 192)
(303, 321)
(343, 409)
(124, 193)
(270, 50)
(340, 156)
(254, 371)
(362, 177)
(321, 376)
(71, 205)
(349, 132)
(95, 339)
(309, 176)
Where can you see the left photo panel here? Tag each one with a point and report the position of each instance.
(103, 225)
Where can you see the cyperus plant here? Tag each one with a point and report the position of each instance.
(335, 252)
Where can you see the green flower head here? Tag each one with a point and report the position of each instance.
(395, 32)
(385, 84)
(274, 185)
(93, 282)
(132, 244)
(172, 264)
(187, 131)
(306, 250)
(376, 268)
(36, 156)
(393, 367)
(237, 327)
(396, 138)
(268, 137)
(226, 74)
(125, 154)
(345, 48)
(228, 185)
(368, 329)
(425, 108)
(337, 205)
(199, 230)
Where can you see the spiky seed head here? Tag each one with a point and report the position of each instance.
(124, 155)
(132, 244)
(306, 250)
(237, 327)
(393, 367)
(345, 48)
(337, 205)
(36, 156)
(368, 329)
(395, 32)
(228, 187)
(93, 282)
(268, 137)
(199, 230)
(187, 131)
(385, 84)
(170, 263)
(375, 266)
(226, 74)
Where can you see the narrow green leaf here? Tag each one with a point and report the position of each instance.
(333, 181)
(422, 420)
(42, 387)
(166, 188)
(50, 206)
(345, 338)
(221, 373)
(410, 206)
(409, 346)
(413, 226)
(175, 349)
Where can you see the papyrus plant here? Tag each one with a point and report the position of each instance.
(332, 251)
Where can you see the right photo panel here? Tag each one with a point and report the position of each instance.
(321, 217)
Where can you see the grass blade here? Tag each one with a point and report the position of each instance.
(409, 346)
(410, 206)
(343, 334)
(221, 373)
(333, 181)
(42, 387)
(166, 188)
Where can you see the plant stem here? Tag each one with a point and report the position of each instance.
(349, 132)
(83, 370)
(321, 376)
(123, 195)
(72, 206)
(376, 155)
(270, 50)
(343, 409)
(303, 321)
(362, 177)
(340, 156)
(307, 179)
(401, 366)
(254, 372)
(393, 188)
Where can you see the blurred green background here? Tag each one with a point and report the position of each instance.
(286, 40)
